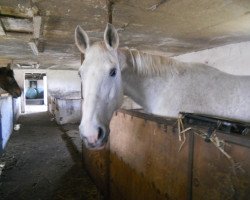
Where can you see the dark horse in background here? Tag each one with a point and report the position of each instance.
(8, 82)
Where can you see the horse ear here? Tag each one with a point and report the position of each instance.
(111, 37)
(81, 39)
(8, 66)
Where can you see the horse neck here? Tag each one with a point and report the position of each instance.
(137, 86)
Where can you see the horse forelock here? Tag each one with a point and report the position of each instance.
(99, 52)
(98, 48)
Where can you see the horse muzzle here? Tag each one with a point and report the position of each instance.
(96, 141)
(16, 93)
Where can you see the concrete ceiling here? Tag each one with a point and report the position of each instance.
(170, 27)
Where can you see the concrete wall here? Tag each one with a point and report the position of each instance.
(65, 110)
(61, 83)
(16, 108)
(64, 84)
(20, 74)
(64, 91)
(233, 58)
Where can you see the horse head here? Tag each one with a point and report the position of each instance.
(102, 85)
(8, 82)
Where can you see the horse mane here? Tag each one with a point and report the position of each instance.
(147, 64)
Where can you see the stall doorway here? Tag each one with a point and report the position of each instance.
(35, 91)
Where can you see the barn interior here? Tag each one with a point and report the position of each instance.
(37, 38)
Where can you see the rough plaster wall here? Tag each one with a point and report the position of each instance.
(68, 111)
(16, 108)
(64, 84)
(233, 58)
(61, 83)
(19, 76)
(64, 89)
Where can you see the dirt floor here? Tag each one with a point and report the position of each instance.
(43, 161)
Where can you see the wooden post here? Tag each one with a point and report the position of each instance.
(110, 4)
(2, 32)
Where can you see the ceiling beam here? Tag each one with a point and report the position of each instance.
(37, 24)
(33, 46)
(2, 32)
(17, 25)
(19, 11)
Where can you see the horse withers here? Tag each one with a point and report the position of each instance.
(160, 84)
(8, 82)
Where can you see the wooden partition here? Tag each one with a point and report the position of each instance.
(143, 161)
(214, 176)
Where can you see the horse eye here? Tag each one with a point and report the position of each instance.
(112, 72)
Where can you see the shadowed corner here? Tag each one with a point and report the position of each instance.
(74, 184)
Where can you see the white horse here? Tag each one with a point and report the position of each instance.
(161, 85)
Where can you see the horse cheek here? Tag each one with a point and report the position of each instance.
(111, 99)
(112, 93)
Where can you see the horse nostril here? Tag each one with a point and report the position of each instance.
(101, 133)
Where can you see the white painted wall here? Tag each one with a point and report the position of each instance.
(20, 74)
(45, 87)
(68, 111)
(64, 91)
(64, 84)
(233, 58)
(20, 77)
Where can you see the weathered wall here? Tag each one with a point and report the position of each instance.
(64, 91)
(233, 58)
(20, 74)
(62, 84)
(66, 110)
